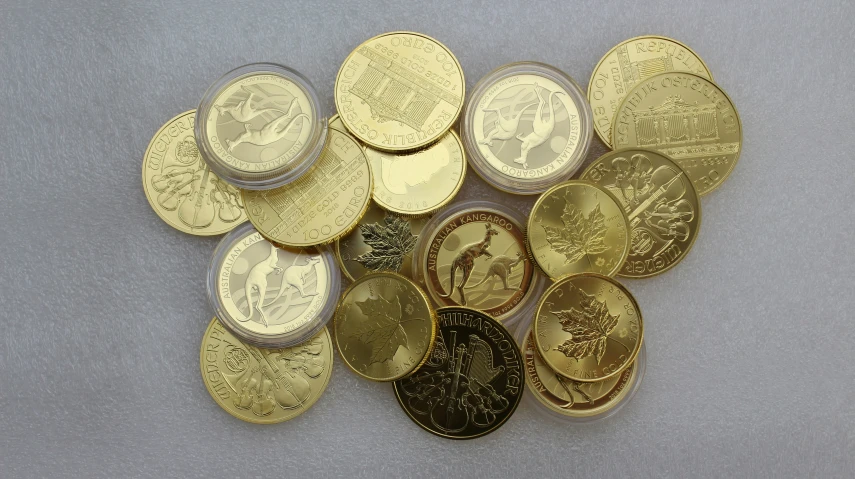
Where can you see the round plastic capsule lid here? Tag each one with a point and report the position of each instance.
(473, 254)
(268, 295)
(526, 126)
(260, 126)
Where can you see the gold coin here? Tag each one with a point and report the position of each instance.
(573, 398)
(630, 62)
(418, 183)
(399, 91)
(588, 327)
(269, 295)
(578, 227)
(663, 208)
(180, 187)
(474, 255)
(385, 327)
(320, 206)
(261, 126)
(471, 384)
(686, 117)
(382, 242)
(264, 386)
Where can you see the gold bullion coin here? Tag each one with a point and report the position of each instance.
(686, 117)
(399, 91)
(180, 187)
(322, 205)
(577, 227)
(471, 384)
(663, 208)
(569, 397)
(418, 183)
(382, 241)
(264, 386)
(385, 327)
(588, 327)
(629, 63)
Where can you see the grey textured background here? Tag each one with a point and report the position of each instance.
(750, 339)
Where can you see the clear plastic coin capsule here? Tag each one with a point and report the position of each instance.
(271, 296)
(260, 126)
(526, 126)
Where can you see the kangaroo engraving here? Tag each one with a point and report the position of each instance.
(256, 280)
(244, 111)
(268, 133)
(465, 261)
(295, 277)
(501, 266)
(504, 128)
(541, 128)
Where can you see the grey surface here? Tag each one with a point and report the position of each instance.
(750, 339)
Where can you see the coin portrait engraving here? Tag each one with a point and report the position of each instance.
(260, 385)
(661, 203)
(472, 382)
(181, 188)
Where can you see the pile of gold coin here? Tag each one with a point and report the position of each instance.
(462, 306)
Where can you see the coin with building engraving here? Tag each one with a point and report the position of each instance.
(382, 241)
(588, 327)
(576, 227)
(260, 385)
(399, 91)
(180, 187)
(660, 201)
(630, 62)
(472, 381)
(686, 117)
(322, 205)
(385, 327)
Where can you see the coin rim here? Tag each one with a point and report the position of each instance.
(429, 140)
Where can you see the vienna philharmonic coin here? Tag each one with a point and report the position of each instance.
(399, 91)
(577, 227)
(384, 327)
(260, 126)
(382, 241)
(264, 386)
(526, 127)
(472, 381)
(588, 327)
(686, 117)
(630, 62)
(573, 398)
(271, 296)
(421, 182)
(473, 254)
(180, 187)
(322, 205)
(662, 206)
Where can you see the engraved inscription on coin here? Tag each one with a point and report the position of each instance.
(472, 381)
(180, 187)
(384, 327)
(627, 64)
(264, 386)
(689, 119)
(476, 257)
(663, 208)
(382, 242)
(320, 206)
(526, 126)
(569, 397)
(588, 327)
(399, 91)
(420, 182)
(576, 227)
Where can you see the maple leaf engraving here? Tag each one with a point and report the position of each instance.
(390, 241)
(580, 236)
(383, 333)
(588, 328)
